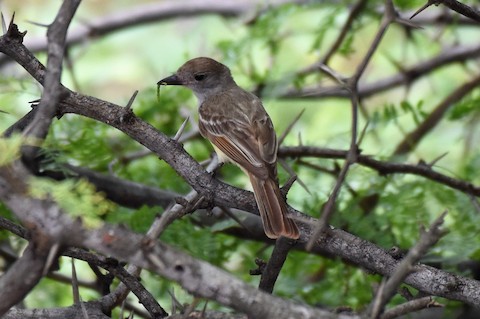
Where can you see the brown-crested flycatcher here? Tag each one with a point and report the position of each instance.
(241, 131)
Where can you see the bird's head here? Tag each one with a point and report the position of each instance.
(204, 76)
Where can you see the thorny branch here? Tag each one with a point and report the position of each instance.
(352, 87)
(388, 289)
(46, 109)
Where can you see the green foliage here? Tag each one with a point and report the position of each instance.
(391, 112)
(76, 140)
(139, 220)
(325, 282)
(469, 169)
(10, 149)
(325, 25)
(165, 112)
(466, 107)
(78, 198)
(408, 4)
(415, 111)
(200, 243)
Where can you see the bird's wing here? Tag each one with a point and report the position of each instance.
(248, 141)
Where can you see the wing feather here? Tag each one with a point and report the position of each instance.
(242, 131)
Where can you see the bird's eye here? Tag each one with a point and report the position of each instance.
(199, 77)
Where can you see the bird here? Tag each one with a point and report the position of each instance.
(240, 130)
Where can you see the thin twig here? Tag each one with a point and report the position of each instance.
(293, 177)
(410, 307)
(427, 239)
(289, 127)
(352, 155)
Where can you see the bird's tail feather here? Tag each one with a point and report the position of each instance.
(273, 209)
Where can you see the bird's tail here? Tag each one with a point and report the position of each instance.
(273, 209)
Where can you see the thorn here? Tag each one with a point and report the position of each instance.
(128, 113)
(4, 24)
(437, 159)
(111, 166)
(13, 32)
(38, 24)
(130, 102)
(408, 24)
(204, 310)
(181, 129)
(213, 164)
(425, 6)
(362, 134)
(51, 257)
(230, 214)
(122, 308)
(10, 25)
(293, 177)
(76, 292)
(333, 74)
(289, 127)
(289, 183)
(157, 262)
(300, 143)
(175, 302)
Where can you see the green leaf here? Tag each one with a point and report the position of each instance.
(10, 149)
(76, 197)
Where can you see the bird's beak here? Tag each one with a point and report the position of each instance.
(171, 80)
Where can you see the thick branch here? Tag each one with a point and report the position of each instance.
(56, 34)
(272, 269)
(22, 276)
(93, 309)
(197, 277)
(124, 245)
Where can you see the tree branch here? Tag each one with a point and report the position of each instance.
(46, 109)
(22, 275)
(404, 77)
(406, 266)
(153, 13)
(383, 168)
(93, 309)
(274, 266)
